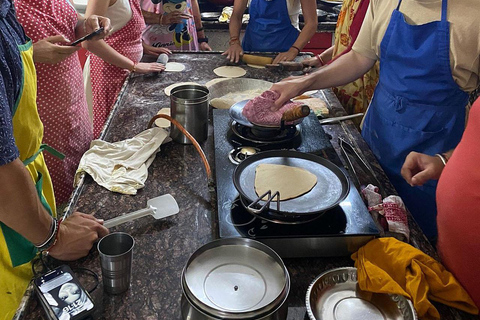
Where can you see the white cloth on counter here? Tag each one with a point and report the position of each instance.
(122, 166)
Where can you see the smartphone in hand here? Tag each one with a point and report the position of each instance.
(87, 37)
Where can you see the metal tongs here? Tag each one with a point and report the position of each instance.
(347, 150)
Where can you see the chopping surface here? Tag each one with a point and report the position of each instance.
(163, 247)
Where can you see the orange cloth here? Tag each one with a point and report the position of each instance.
(387, 265)
(458, 196)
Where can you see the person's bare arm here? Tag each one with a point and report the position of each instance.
(107, 53)
(344, 70)
(326, 56)
(234, 52)
(21, 210)
(199, 26)
(309, 11)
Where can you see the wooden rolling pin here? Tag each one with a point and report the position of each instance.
(296, 113)
(256, 60)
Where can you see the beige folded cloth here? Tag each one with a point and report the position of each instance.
(122, 166)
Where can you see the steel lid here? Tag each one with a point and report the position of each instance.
(237, 277)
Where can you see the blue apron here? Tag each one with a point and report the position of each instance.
(269, 28)
(417, 106)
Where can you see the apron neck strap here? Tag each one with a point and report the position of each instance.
(444, 9)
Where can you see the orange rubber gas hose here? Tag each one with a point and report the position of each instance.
(189, 136)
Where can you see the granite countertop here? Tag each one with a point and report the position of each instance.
(163, 247)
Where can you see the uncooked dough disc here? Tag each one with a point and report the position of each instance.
(161, 122)
(213, 81)
(168, 89)
(174, 67)
(229, 72)
(255, 66)
(291, 182)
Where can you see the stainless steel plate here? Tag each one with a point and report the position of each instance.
(224, 87)
(335, 295)
(235, 276)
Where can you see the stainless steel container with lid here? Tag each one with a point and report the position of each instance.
(189, 106)
(335, 295)
(235, 278)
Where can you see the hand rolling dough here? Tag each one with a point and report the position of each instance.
(291, 182)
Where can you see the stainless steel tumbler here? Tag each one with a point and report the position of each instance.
(189, 106)
(116, 252)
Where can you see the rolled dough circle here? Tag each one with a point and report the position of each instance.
(229, 72)
(213, 81)
(174, 67)
(161, 122)
(169, 89)
(255, 66)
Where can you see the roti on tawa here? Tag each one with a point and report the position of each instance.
(291, 182)
(169, 89)
(229, 72)
(174, 67)
(161, 122)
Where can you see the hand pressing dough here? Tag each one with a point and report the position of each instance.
(161, 122)
(169, 89)
(229, 72)
(174, 67)
(291, 182)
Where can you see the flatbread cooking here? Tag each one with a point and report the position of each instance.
(291, 182)
(174, 67)
(229, 72)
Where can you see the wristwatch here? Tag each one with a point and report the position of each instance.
(200, 40)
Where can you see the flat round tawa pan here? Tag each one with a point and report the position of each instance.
(227, 86)
(332, 184)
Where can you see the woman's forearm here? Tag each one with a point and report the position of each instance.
(101, 49)
(345, 69)
(305, 35)
(152, 17)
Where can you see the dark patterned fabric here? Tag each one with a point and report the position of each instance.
(11, 35)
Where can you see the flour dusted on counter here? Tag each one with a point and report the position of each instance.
(228, 100)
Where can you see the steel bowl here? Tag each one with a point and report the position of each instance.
(335, 295)
(235, 278)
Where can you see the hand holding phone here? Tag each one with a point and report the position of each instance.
(62, 296)
(87, 37)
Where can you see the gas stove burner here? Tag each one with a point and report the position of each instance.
(239, 154)
(254, 135)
